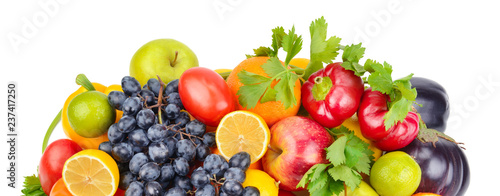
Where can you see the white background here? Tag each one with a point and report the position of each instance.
(454, 43)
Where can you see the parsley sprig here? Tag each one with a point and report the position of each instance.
(349, 156)
(259, 88)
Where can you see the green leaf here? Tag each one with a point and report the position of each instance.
(269, 95)
(335, 187)
(273, 67)
(353, 53)
(307, 177)
(285, 89)
(335, 152)
(321, 49)
(249, 78)
(343, 173)
(249, 95)
(380, 78)
(278, 34)
(397, 112)
(292, 44)
(32, 186)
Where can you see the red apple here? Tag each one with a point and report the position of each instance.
(297, 143)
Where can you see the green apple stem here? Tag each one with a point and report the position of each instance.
(175, 58)
(82, 80)
(160, 96)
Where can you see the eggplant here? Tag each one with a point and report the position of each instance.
(435, 107)
(445, 169)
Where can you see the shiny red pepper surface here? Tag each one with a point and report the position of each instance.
(332, 94)
(371, 113)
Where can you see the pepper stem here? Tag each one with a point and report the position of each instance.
(321, 88)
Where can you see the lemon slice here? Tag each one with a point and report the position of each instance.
(242, 131)
(91, 172)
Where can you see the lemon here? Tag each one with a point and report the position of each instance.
(90, 114)
(91, 172)
(363, 190)
(242, 131)
(395, 174)
(261, 180)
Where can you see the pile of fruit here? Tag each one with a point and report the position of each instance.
(302, 126)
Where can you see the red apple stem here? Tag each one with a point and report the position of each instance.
(278, 151)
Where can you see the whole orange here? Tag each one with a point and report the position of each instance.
(271, 111)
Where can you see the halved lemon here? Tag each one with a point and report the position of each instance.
(91, 172)
(242, 131)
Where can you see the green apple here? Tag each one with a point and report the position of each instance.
(167, 58)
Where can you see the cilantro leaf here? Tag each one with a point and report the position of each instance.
(322, 50)
(346, 174)
(335, 152)
(278, 34)
(32, 186)
(397, 112)
(250, 94)
(273, 67)
(292, 44)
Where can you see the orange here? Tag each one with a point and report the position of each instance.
(242, 131)
(300, 62)
(59, 189)
(271, 111)
(353, 125)
(91, 172)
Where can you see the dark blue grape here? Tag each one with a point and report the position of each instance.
(149, 172)
(206, 190)
(171, 145)
(183, 182)
(181, 166)
(123, 167)
(126, 124)
(153, 188)
(202, 151)
(232, 187)
(167, 172)
(240, 160)
(135, 188)
(106, 147)
(125, 179)
(158, 152)
(122, 152)
(116, 99)
(130, 85)
(138, 138)
(137, 161)
(251, 191)
(154, 86)
(157, 133)
(175, 99)
(186, 149)
(114, 135)
(209, 139)
(131, 106)
(196, 128)
(235, 173)
(175, 191)
(145, 118)
(172, 111)
(172, 86)
(215, 164)
(200, 178)
(147, 97)
(182, 119)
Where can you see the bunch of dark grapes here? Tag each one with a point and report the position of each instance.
(161, 151)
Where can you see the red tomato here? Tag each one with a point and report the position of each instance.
(59, 189)
(52, 162)
(205, 95)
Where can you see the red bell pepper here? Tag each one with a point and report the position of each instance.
(372, 110)
(332, 94)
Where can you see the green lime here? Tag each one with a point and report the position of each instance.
(395, 173)
(90, 114)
